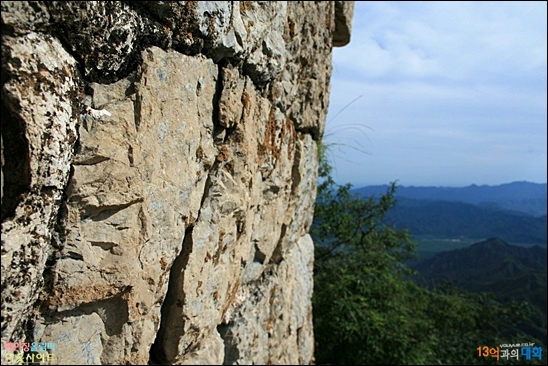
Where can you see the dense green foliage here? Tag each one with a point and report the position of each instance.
(366, 308)
(509, 272)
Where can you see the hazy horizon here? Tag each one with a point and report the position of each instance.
(437, 186)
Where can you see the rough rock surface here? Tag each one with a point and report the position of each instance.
(158, 177)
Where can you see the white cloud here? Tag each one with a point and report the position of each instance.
(452, 93)
(451, 40)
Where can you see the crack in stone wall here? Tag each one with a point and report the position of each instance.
(163, 350)
(158, 177)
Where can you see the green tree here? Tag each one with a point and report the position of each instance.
(367, 310)
(360, 298)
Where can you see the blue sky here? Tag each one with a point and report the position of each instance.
(448, 94)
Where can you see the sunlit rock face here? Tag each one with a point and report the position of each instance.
(158, 177)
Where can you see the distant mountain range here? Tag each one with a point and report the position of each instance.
(511, 272)
(525, 197)
(515, 212)
(457, 219)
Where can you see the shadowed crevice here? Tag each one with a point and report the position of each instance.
(15, 162)
(171, 326)
(277, 255)
(232, 354)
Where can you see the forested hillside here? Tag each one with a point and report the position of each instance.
(367, 308)
(510, 272)
(456, 219)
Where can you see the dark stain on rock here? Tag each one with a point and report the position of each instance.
(15, 162)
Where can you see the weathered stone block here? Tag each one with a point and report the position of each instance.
(159, 169)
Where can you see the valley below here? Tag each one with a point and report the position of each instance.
(480, 239)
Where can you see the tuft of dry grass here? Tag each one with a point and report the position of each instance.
(353, 143)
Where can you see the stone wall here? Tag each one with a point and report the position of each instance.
(158, 177)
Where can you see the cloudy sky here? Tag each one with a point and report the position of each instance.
(441, 94)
